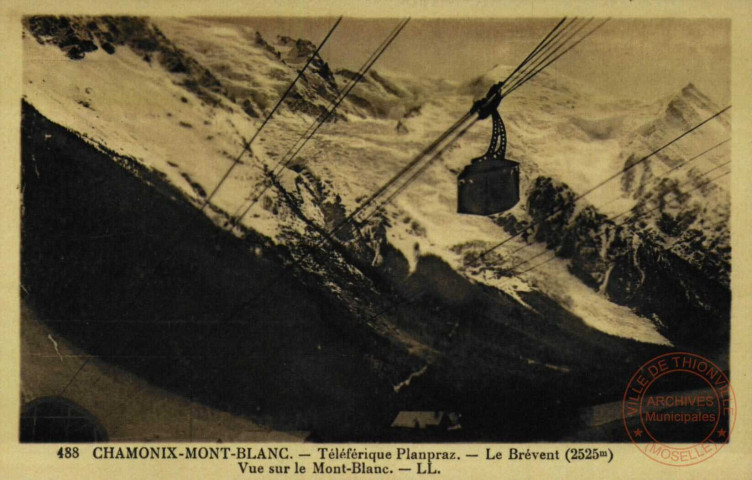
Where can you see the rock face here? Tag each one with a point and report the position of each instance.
(83, 270)
(550, 204)
(299, 51)
(630, 263)
(78, 35)
(196, 67)
(665, 252)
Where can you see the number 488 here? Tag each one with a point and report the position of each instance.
(67, 452)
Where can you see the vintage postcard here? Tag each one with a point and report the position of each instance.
(376, 240)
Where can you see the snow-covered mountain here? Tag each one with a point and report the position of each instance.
(179, 97)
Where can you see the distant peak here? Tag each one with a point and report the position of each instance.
(691, 93)
(285, 40)
(690, 88)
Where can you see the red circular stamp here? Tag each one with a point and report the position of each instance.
(679, 409)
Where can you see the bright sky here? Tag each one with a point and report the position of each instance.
(627, 57)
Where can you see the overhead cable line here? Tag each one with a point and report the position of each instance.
(712, 180)
(461, 123)
(360, 75)
(553, 44)
(414, 176)
(653, 181)
(264, 287)
(629, 222)
(326, 236)
(181, 232)
(442, 137)
(542, 44)
(676, 167)
(610, 178)
(414, 296)
(247, 145)
(324, 116)
(421, 156)
(532, 74)
(576, 25)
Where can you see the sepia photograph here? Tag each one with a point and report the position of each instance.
(400, 229)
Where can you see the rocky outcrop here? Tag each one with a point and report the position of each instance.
(684, 289)
(299, 51)
(76, 36)
(550, 204)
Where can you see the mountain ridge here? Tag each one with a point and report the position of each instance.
(608, 289)
(685, 107)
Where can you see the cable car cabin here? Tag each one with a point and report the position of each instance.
(488, 186)
(491, 183)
